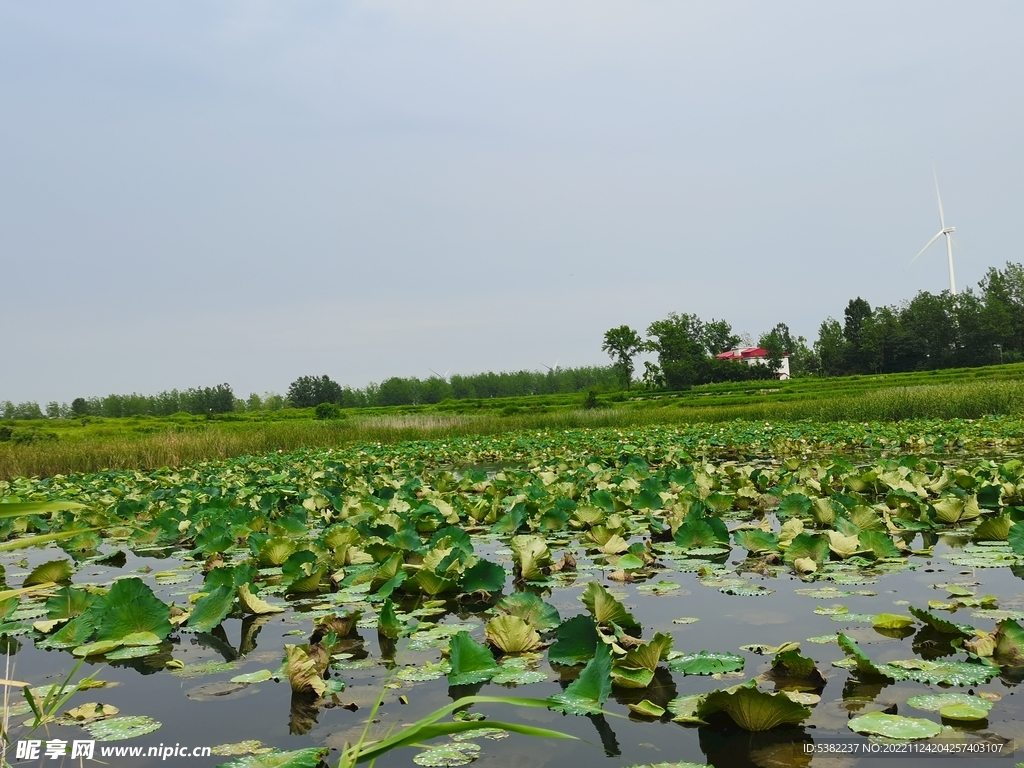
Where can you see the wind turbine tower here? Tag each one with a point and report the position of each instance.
(948, 232)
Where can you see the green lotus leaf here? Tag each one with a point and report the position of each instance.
(942, 672)
(864, 665)
(531, 556)
(448, 755)
(68, 602)
(511, 634)
(56, 571)
(302, 572)
(648, 655)
(120, 728)
(752, 709)
(471, 662)
(276, 550)
(129, 607)
(211, 609)
(587, 693)
(684, 709)
(961, 706)
(823, 511)
(647, 708)
(940, 624)
(576, 641)
(993, 529)
(298, 758)
(388, 623)
(795, 505)
(606, 609)
(74, 633)
(531, 608)
(11, 509)
(806, 546)
(626, 677)
(706, 663)
(891, 621)
(701, 531)
(259, 676)
(791, 669)
(132, 652)
(432, 584)
(878, 543)
(97, 649)
(895, 726)
(483, 576)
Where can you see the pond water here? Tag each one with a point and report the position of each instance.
(200, 706)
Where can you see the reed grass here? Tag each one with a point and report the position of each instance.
(220, 440)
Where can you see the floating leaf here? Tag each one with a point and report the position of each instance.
(954, 706)
(299, 758)
(87, 713)
(448, 755)
(121, 728)
(259, 676)
(895, 726)
(706, 663)
(891, 621)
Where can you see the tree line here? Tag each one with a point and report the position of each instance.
(309, 391)
(930, 331)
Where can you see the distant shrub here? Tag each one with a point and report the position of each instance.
(30, 436)
(326, 411)
(5, 434)
(591, 402)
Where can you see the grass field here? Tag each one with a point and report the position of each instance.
(64, 446)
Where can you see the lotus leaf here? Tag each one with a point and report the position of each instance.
(891, 621)
(706, 663)
(587, 693)
(250, 603)
(531, 556)
(483, 576)
(605, 608)
(577, 640)
(120, 728)
(470, 661)
(448, 755)
(129, 607)
(752, 709)
(212, 609)
(299, 758)
(895, 726)
(55, 571)
(532, 609)
(511, 634)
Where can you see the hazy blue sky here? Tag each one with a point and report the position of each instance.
(198, 192)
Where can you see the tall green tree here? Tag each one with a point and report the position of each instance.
(623, 344)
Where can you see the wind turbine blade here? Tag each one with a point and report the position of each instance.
(930, 244)
(942, 216)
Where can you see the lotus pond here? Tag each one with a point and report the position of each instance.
(743, 596)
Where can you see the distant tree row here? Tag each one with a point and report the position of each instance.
(308, 391)
(929, 331)
(198, 401)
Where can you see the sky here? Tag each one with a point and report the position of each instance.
(246, 192)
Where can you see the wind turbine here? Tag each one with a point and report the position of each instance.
(944, 230)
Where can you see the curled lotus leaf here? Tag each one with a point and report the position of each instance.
(752, 709)
(511, 634)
